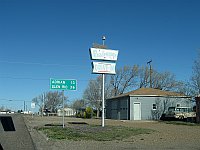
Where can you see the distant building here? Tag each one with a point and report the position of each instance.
(67, 112)
(144, 104)
(7, 112)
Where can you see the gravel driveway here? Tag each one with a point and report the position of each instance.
(166, 136)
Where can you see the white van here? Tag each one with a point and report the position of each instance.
(180, 113)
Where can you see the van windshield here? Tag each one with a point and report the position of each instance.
(184, 109)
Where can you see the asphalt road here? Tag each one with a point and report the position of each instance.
(19, 139)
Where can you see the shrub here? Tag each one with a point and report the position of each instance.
(89, 112)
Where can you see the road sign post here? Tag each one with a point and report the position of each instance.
(63, 84)
(32, 107)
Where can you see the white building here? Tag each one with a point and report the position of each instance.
(67, 112)
(144, 104)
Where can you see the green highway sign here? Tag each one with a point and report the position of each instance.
(63, 84)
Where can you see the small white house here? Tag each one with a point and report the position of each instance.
(67, 112)
(144, 104)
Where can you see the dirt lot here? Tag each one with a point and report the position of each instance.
(166, 136)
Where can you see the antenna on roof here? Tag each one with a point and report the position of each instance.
(149, 62)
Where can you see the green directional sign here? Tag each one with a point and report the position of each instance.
(63, 84)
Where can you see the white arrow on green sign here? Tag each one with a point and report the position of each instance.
(63, 84)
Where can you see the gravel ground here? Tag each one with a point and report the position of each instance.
(166, 136)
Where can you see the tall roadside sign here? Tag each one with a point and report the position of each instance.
(63, 84)
(107, 62)
(103, 54)
(104, 62)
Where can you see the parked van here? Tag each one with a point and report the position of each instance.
(180, 113)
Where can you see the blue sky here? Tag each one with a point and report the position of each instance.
(43, 39)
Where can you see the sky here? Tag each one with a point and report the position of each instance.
(43, 39)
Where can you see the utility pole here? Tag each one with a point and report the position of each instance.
(24, 106)
(43, 99)
(150, 73)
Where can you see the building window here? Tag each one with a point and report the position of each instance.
(154, 107)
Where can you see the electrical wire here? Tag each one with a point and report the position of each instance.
(43, 64)
(20, 78)
(4, 99)
(27, 78)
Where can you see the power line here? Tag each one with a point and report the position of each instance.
(4, 99)
(28, 78)
(21, 78)
(43, 64)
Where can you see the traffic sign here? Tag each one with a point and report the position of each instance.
(33, 105)
(63, 84)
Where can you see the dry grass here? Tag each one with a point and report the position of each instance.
(79, 132)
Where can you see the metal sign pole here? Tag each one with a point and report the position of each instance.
(103, 76)
(63, 116)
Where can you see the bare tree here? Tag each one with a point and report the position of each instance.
(187, 89)
(156, 113)
(162, 81)
(50, 100)
(195, 80)
(39, 101)
(78, 104)
(165, 81)
(93, 93)
(161, 107)
(144, 75)
(54, 100)
(124, 79)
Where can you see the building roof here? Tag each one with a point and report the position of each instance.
(151, 92)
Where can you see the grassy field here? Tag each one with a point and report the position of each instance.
(92, 132)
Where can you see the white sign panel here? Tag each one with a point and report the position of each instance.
(102, 67)
(103, 54)
(32, 105)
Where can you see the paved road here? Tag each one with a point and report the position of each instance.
(19, 139)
